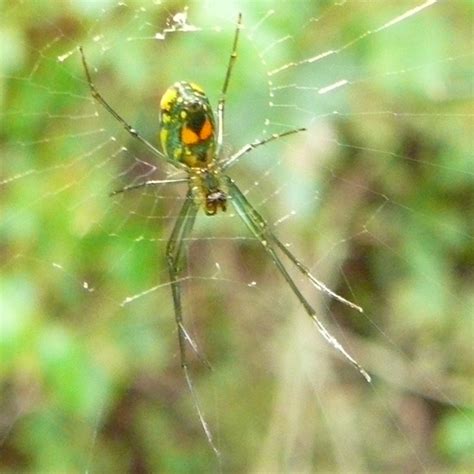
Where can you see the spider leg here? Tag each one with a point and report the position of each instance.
(151, 182)
(318, 284)
(221, 103)
(228, 162)
(259, 228)
(134, 133)
(175, 259)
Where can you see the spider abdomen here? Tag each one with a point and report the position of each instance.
(187, 125)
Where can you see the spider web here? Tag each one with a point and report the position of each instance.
(375, 198)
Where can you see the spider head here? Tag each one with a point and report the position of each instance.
(209, 191)
(215, 200)
(187, 125)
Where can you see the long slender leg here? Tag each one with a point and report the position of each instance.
(151, 182)
(221, 103)
(134, 133)
(228, 162)
(175, 259)
(316, 283)
(260, 230)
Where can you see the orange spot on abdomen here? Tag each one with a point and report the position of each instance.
(189, 136)
(206, 130)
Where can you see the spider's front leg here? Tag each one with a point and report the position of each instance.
(259, 228)
(175, 259)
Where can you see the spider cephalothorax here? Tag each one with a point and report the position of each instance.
(208, 189)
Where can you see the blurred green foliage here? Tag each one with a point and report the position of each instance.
(382, 189)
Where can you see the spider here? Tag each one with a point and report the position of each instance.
(192, 139)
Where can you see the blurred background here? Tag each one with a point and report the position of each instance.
(376, 198)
